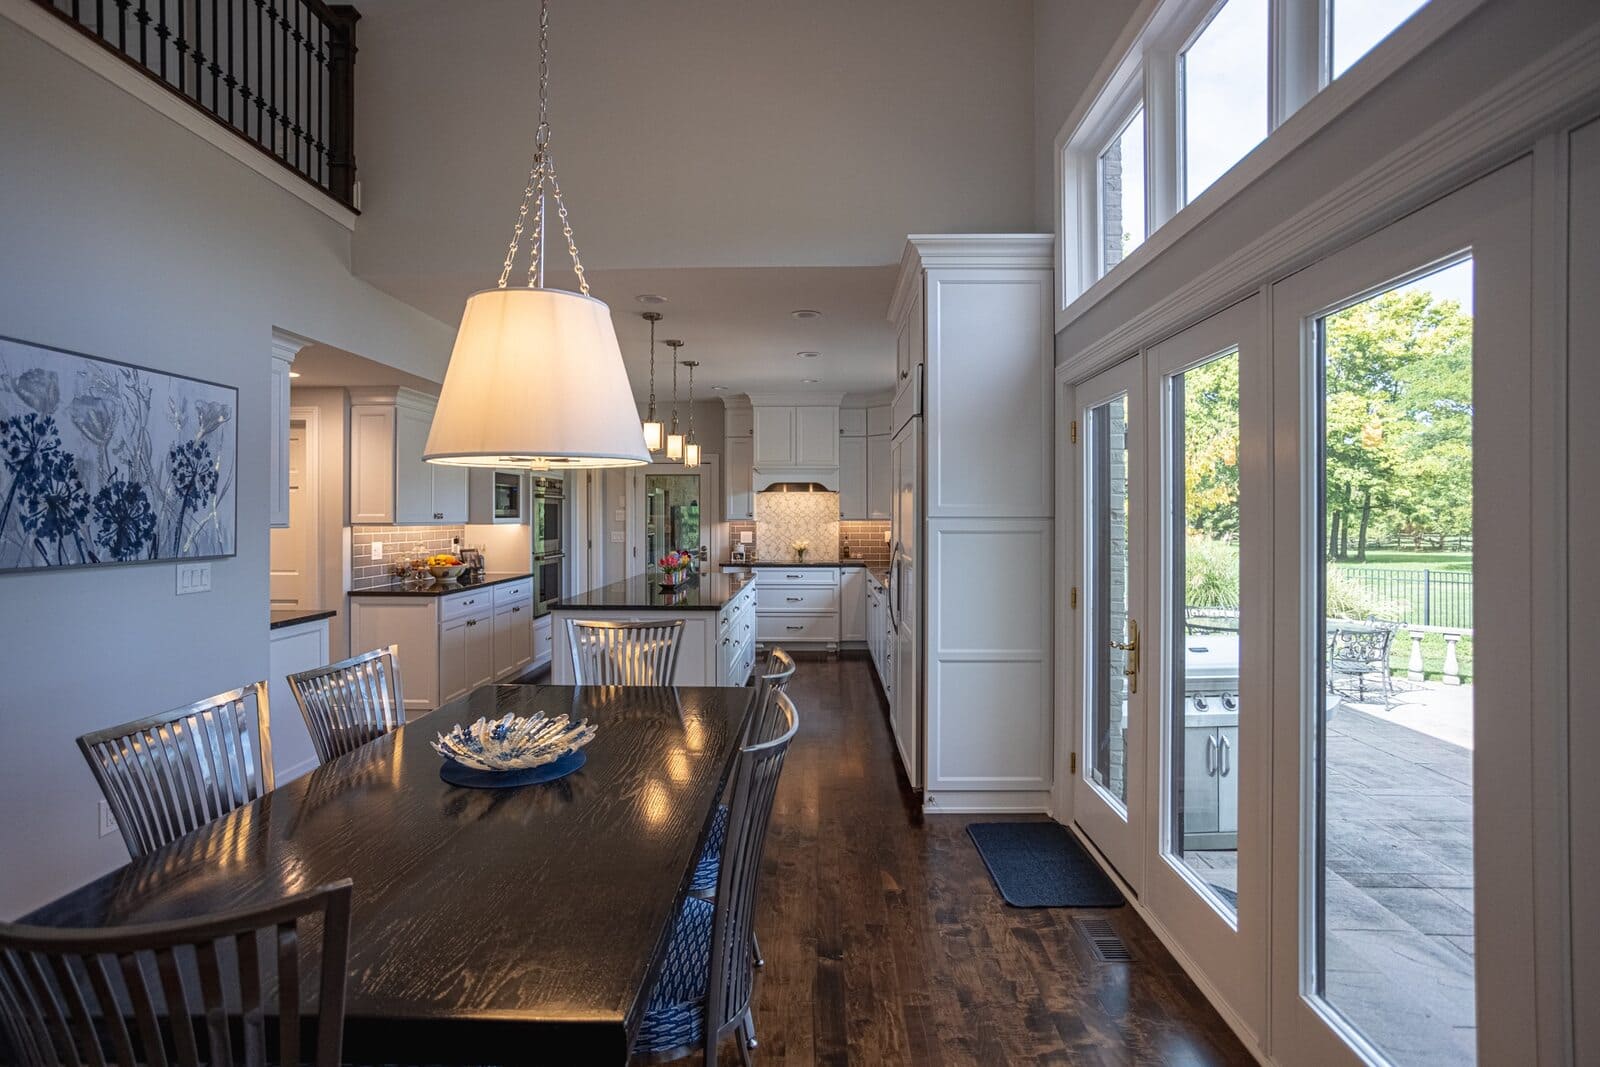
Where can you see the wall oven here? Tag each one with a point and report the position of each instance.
(547, 582)
(549, 514)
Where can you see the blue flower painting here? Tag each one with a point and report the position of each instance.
(101, 462)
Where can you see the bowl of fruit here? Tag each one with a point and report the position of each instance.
(445, 567)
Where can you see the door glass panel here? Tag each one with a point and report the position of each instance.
(1203, 542)
(1108, 618)
(672, 515)
(1222, 80)
(1121, 169)
(1393, 908)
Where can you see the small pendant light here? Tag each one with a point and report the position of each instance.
(654, 432)
(674, 438)
(691, 447)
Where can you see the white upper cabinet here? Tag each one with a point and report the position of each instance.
(740, 452)
(879, 475)
(737, 421)
(853, 477)
(774, 437)
(879, 421)
(852, 422)
(389, 482)
(796, 436)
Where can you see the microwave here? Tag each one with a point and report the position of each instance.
(507, 495)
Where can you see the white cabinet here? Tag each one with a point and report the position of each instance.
(853, 478)
(292, 649)
(852, 422)
(740, 463)
(798, 606)
(389, 482)
(796, 436)
(878, 423)
(737, 418)
(909, 341)
(853, 604)
(880, 476)
(513, 638)
(541, 641)
(466, 653)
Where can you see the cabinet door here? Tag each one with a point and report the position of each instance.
(513, 638)
(479, 650)
(1199, 782)
(741, 485)
(452, 660)
(853, 477)
(774, 438)
(880, 477)
(371, 464)
(852, 604)
(852, 422)
(738, 422)
(413, 479)
(449, 492)
(816, 437)
(1228, 779)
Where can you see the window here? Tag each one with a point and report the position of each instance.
(1222, 88)
(1356, 26)
(1122, 178)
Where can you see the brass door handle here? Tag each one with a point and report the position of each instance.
(1132, 648)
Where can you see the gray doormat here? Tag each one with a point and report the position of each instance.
(1041, 865)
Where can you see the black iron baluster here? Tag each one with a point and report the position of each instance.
(122, 26)
(230, 81)
(319, 99)
(162, 33)
(272, 79)
(143, 18)
(261, 77)
(295, 112)
(216, 68)
(181, 45)
(285, 45)
(198, 52)
(341, 103)
(100, 18)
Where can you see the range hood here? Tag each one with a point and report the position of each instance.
(797, 480)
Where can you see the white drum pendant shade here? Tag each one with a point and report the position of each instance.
(536, 380)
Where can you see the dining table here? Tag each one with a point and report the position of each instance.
(521, 925)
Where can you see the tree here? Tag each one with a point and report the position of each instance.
(1211, 446)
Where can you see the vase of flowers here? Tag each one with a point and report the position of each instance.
(800, 550)
(676, 567)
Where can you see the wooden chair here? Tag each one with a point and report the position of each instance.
(174, 772)
(764, 724)
(195, 990)
(624, 653)
(703, 991)
(349, 703)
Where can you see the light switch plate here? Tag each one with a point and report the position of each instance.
(194, 578)
(377, 550)
(620, 515)
(108, 825)
(618, 537)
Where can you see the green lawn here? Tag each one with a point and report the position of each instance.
(1400, 559)
(1432, 655)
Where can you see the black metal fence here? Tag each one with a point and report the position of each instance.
(279, 73)
(1424, 598)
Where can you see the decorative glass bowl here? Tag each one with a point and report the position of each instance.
(513, 743)
(448, 574)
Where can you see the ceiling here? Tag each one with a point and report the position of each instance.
(740, 159)
(318, 366)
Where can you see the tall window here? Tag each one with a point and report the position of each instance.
(1356, 26)
(1122, 179)
(1222, 86)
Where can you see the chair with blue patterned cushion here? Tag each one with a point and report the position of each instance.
(763, 726)
(703, 991)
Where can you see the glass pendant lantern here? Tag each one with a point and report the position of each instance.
(691, 447)
(674, 438)
(654, 432)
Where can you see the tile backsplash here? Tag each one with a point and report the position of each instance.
(398, 542)
(864, 539)
(784, 518)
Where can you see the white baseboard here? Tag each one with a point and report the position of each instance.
(986, 802)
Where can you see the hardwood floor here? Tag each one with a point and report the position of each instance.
(886, 942)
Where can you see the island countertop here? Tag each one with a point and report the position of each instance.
(711, 592)
(431, 588)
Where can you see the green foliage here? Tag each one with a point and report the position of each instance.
(1211, 446)
(1347, 598)
(1211, 573)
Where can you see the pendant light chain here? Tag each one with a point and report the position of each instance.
(653, 317)
(542, 171)
(675, 346)
(691, 364)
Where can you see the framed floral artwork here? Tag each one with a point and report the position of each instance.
(104, 463)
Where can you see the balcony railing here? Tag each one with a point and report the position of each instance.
(279, 73)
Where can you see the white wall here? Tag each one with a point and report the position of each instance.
(127, 237)
(333, 504)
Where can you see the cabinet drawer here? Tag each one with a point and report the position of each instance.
(511, 592)
(776, 576)
(807, 600)
(777, 629)
(454, 607)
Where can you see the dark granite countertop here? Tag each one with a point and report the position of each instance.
(807, 563)
(641, 593)
(401, 587)
(282, 617)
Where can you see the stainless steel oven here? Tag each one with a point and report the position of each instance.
(549, 516)
(548, 583)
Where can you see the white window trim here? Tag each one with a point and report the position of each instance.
(1299, 107)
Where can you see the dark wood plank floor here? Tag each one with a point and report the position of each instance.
(886, 943)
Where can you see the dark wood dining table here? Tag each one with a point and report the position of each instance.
(488, 926)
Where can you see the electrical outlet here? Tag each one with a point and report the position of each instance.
(108, 825)
(618, 537)
(377, 550)
(193, 578)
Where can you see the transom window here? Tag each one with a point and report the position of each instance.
(1122, 178)
(1222, 90)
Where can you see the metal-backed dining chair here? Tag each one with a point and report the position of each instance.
(191, 989)
(349, 703)
(624, 653)
(703, 992)
(764, 724)
(174, 772)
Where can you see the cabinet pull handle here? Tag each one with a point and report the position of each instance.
(794, 599)
(1211, 755)
(1226, 756)
(472, 622)
(515, 610)
(438, 514)
(794, 627)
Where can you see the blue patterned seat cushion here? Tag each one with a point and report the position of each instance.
(676, 1014)
(710, 862)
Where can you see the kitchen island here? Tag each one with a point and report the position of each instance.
(719, 625)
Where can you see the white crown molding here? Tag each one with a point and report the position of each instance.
(1496, 127)
(286, 346)
(933, 251)
(54, 31)
(796, 400)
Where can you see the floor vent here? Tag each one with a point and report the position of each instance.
(1103, 938)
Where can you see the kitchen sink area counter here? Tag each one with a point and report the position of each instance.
(430, 588)
(718, 612)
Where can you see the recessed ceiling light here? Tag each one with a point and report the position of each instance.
(808, 355)
(294, 374)
(811, 381)
(719, 388)
(806, 313)
(651, 298)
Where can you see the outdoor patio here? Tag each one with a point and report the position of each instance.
(1399, 852)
